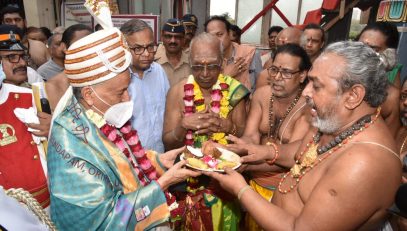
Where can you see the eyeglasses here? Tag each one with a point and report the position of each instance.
(285, 73)
(138, 50)
(15, 58)
(209, 68)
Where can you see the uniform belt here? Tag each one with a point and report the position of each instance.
(41, 194)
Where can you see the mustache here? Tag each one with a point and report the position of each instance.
(15, 70)
(173, 44)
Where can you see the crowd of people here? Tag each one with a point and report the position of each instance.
(93, 124)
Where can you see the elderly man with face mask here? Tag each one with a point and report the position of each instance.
(99, 174)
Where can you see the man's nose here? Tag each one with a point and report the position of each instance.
(205, 71)
(307, 92)
(278, 76)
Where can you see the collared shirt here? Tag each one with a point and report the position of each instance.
(49, 69)
(177, 73)
(148, 95)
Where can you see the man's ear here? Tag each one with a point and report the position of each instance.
(322, 45)
(87, 95)
(64, 47)
(354, 96)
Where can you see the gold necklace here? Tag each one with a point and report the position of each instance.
(311, 153)
(272, 133)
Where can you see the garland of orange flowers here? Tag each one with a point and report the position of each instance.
(195, 102)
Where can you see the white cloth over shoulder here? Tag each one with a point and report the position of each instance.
(29, 115)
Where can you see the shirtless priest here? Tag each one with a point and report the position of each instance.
(278, 114)
(341, 163)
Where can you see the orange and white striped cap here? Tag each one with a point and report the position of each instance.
(99, 56)
(96, 58)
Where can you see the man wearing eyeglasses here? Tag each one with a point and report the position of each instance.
(206, 106)
(278, 115)
(170, 54)
(288, 35)
(22, 156)
(149, 84)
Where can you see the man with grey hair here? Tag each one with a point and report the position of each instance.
(338, 168)
(205, 106)
(55, 65)
(149, 84)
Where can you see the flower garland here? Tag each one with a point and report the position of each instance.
(145, 171)
(195, 102)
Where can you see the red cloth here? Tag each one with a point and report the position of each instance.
(313, 16)
(330, 4)
(20, 164)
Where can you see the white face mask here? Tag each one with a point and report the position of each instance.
(118, 114)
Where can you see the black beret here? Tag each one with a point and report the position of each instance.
(190, 19)
(174, 25)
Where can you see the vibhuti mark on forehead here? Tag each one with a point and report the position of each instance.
(203, 59)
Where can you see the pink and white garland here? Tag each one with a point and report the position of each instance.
(131, 138)
(195, 102)
(148, 172)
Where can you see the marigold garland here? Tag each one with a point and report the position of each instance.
(195, 102)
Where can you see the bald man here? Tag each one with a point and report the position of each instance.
(287, 35)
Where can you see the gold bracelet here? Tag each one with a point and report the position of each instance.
(242, 190)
